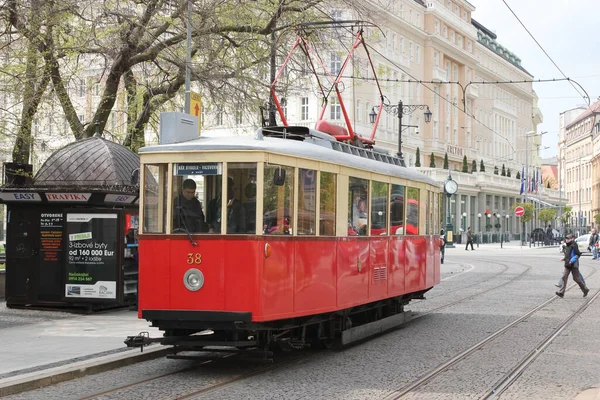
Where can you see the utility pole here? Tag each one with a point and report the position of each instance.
(188, 59)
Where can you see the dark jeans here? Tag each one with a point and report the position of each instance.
(469, 241)
(576, 278)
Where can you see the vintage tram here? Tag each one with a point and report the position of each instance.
(294, 239)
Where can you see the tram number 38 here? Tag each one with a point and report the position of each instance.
(194, 258)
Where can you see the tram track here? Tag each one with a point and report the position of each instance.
(515, 371)
(211, 388)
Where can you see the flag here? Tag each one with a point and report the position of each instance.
(522, 180)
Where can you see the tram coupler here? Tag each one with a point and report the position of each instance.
(140, 340)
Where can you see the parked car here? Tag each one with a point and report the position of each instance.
(583, 242)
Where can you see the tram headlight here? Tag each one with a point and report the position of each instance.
(193, 279)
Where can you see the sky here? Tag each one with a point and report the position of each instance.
(567, 30)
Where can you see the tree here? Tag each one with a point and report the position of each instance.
(495, 170)
(566, 215)
(432, 161)
(503, 170)
(518, 175)
(546, 215)
(548, 185)
(508, 172)
(446, 163)
(465, 164)
(137, 52)
(474, 166)
(597, 219)
(481, 167)
(418, 158)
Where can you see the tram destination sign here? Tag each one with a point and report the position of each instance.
(199, 169)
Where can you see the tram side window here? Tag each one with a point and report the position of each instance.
(427, 213)
(307, 202)
(358, 200)
(412, 211)
(379, 207)
(155, 198)
(327, 202)
(241, 198)
(397, 210)
(278, 200)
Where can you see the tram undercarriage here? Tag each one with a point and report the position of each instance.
(225, 333)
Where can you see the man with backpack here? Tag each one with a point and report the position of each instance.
(571, 260)
(469, 239)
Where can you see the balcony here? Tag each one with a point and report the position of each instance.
(473, 91)
(447, 15)
(439, 75)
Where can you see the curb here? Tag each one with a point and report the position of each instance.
(40, 379)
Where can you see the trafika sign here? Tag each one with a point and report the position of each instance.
(519, 211)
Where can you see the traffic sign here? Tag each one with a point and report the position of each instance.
(196, 107)
(519, 211)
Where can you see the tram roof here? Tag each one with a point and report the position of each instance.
(311, 147)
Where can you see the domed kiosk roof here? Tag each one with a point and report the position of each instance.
(93, 163)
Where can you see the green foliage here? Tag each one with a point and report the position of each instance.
(481, 167)
(465, 165)
(548, 185)
(495, 170)
(432, 161)
(528, 215)
(546, 215)
(418, 158)
(597, 219)
(518, 175)
(508, 172)
(503, 170)
(474, 166)
(446, 163)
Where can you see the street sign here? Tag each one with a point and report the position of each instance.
(196, 107)
(519, 211)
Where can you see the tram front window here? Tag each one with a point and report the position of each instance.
(193, 184)
(241, 198)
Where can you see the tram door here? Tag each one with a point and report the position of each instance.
(22, 249)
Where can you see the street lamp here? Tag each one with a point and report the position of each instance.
(464, 221)
(479, 216)
(489, 223)
(450, 188)
(506, 227)
(400, 110)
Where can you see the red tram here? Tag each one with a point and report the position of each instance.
(292, 238)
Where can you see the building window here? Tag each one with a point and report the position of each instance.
(437, 27)
(470, 46)
(335, 109)
(446, 32)
(418, 54)
(436, 59)
(358, 111)
(304, 109)
(410, 51)
(81, 87)
(336, 63)
(460, 42)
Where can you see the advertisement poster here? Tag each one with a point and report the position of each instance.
(92, 257)
(51, 234)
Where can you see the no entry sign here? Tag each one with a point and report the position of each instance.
(519, 211)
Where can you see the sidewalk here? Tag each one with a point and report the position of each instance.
(40, 348)
(513, 244)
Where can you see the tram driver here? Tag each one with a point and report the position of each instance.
(187, 213)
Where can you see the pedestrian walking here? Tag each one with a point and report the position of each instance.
(571, 261)
(443, 245)
(469, 239)
(592, 244)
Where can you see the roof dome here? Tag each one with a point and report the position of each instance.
(93, 163)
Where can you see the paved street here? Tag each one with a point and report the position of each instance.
(481, 292)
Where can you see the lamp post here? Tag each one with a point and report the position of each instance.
(479, 229)
(464, 221)
(506, 228)
(450, 187)
(400, 110)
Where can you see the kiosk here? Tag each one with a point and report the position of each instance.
(72, 229)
